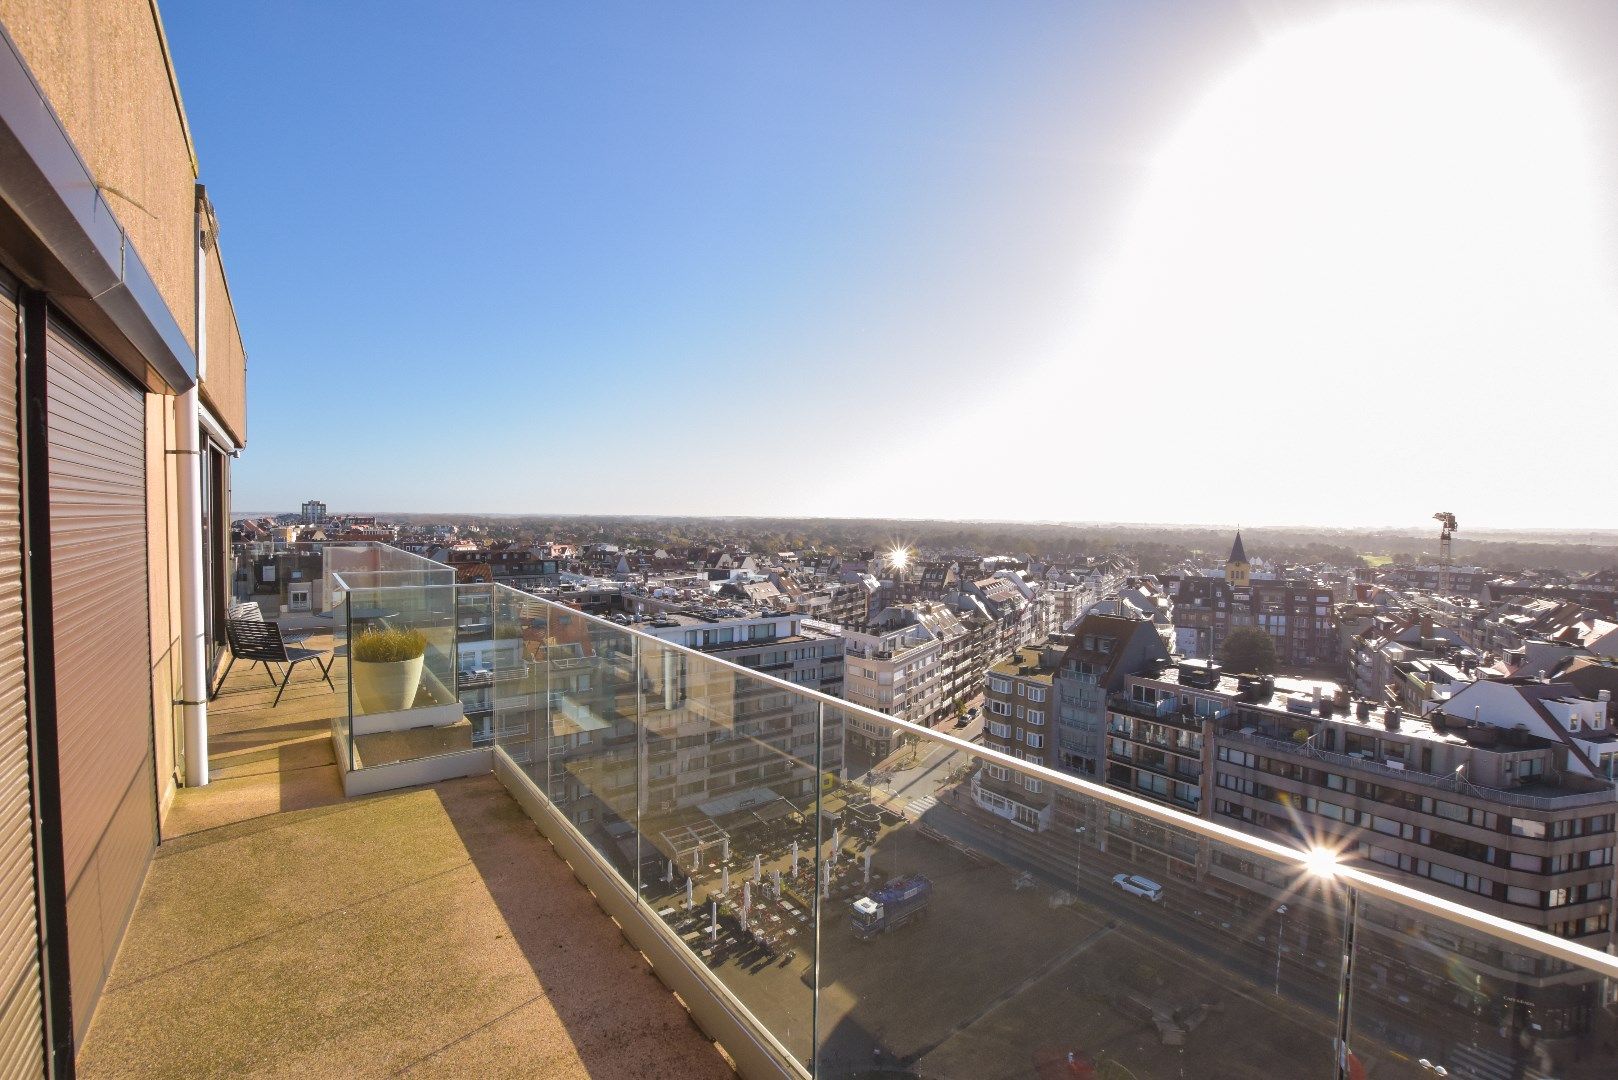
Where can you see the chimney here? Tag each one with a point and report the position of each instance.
(1426, 627)
(1603, 695)
(1391, 718)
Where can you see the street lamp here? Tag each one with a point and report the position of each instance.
(1280, 934)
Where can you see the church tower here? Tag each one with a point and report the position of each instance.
(1237, 568)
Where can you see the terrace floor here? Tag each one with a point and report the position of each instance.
(286, 931)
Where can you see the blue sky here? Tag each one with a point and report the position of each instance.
(766, 259)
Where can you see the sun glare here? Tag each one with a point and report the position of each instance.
(1321, 862)
(1391, 208)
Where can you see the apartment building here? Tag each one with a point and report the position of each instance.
(1495, 816)
(126, 376)
(1297, 614)
(1104, 650)
(1490, 818)
(1158, 730)
(788, 646)
(912, 662)
(843, 603)
(1019, 711)
(1463, 580)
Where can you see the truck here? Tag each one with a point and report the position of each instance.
(890, 907)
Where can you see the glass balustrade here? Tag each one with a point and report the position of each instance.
(953, 912)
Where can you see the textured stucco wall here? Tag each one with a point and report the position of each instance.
(225, 384)
(102, 65)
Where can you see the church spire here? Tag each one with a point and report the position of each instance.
(1237, 553)
(1238, 572)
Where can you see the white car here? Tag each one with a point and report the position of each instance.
(1135, 885)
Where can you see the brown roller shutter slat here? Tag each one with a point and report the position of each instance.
(97, 451)
(22, 1045)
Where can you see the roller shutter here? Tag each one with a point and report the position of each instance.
(97, 464)
(21, 1033)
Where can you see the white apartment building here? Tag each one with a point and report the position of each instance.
(898, 672)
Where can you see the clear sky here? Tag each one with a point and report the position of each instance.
(1270, 262)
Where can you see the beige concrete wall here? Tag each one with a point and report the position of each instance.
(225, 385)
(104, 65)
(105, 68)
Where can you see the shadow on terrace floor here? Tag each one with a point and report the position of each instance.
(264, 759)
(285, 931)
(430, 931)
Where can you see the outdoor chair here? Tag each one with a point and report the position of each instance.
(250, 611)
(261, 642)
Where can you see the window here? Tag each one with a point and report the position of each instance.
(1000, 708)
(999, 730)
(999, 686)
(1032, 785)
(997, 772)
(1036, 693)
(1034, 718)
(1035, 741)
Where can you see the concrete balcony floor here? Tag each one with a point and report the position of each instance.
(286, 931)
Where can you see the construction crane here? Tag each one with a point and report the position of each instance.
(1447, 521)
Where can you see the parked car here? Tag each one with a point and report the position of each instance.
(1135, 885)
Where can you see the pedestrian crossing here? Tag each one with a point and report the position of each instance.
(918, 807)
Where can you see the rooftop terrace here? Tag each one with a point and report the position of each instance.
(435, 930)
(284, 931)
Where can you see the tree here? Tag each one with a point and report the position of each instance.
(1248, 650)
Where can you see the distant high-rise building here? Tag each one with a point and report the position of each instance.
(314, 511)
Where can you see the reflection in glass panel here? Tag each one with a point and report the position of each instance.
(730, 776)
(1432, 993)
(961, 941)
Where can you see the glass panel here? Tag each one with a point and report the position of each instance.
(403, 709)
(730, 783)
(589, 768)
(342, 634)
(521, 705)
(1430, 993)
(1006, 931)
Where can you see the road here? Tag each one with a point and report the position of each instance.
(913, 783)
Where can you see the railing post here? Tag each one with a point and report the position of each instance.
(544, 736)
(640, 757)
(1345, 986)
(814, 963)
